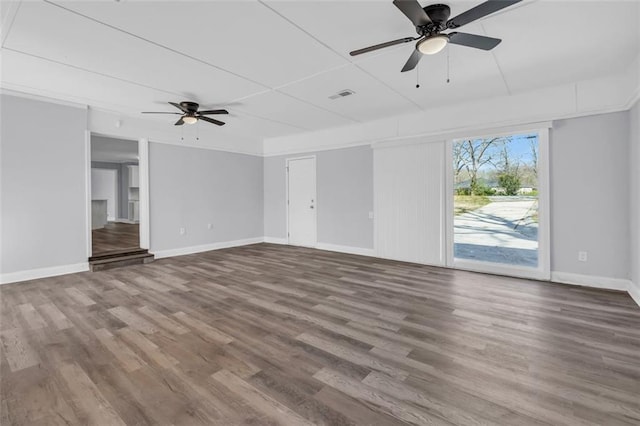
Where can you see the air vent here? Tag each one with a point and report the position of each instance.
(342, 94)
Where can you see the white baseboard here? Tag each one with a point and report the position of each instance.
(634, 292)
(273, 240)
(159, 254)
(123, 220)
(346, 249)
(326, 246)
(591, 281)
(52, 271)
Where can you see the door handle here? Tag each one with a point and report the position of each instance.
(311, 206)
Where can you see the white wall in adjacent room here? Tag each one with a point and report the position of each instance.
(104, 186)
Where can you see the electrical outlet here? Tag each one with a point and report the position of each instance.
(209, 226)
(182, 231)
(582, 256)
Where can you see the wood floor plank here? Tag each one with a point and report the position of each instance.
(395, 407)
(132, 319)
(79, 297)
(31, 316)
(150, 349)
(151, 284)
(124, 287)
(349, 332)
(88, 398)
(17, 350)
(130, 361)
(259, 400)
(368, 307)
(453, 414)
(359, 412)
(205, 330)
(60, 320)
(163, 320)
(351, 355)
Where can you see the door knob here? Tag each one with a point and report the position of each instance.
(311, 207)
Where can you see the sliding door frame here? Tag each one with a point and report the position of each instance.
(543, 270)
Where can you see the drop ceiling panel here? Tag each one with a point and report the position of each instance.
(372, 99)
(243, 37)
(50, 32)
(242, 124)
(552, 43)
(285, 109)
(348, 25)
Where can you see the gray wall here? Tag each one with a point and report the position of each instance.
(345, 196)
(191, 187)
(42, 189)
(590, 195)
(634, 163)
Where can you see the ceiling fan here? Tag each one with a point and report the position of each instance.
(191, 115)
(431, 20)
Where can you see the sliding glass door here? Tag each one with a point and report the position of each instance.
(498, 203)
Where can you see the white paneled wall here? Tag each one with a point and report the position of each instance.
(408, 182)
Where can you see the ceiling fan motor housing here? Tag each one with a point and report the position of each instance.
(439, 14)
(192, 107)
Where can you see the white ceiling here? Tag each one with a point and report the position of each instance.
(274, 64)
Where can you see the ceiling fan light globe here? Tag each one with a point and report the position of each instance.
(189, 119)
(432, 45)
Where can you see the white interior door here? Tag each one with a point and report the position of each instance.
(301, 185)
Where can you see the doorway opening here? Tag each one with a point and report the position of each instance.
(116, 188)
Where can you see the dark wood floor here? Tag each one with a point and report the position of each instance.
(115, 236)
(270, 334)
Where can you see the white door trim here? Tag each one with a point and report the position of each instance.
(143, 169)
(306, 157)
(144, 206)
(87, 190)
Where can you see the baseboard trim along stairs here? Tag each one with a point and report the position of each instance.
(116, 259)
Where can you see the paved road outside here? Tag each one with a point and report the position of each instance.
(502, 231)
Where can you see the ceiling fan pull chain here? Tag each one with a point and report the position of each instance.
(448, 50)
(198, 130)
(418, 76)
(182, 133)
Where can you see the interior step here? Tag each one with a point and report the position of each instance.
(118, 253)
(112, 260)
